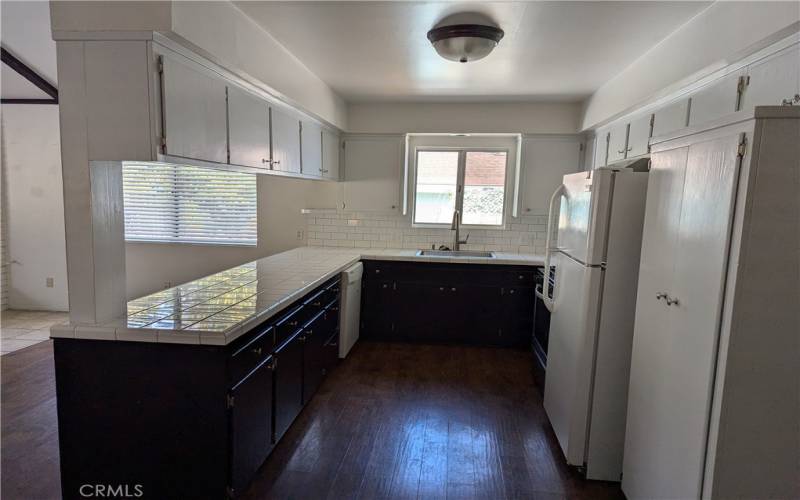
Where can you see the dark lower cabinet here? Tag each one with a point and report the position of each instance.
(250, 421)
(289, 366)
(473, 304)
(314, 336)
(189, 421)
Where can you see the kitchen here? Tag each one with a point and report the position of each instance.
(393, 249)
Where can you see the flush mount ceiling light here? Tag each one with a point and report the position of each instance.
(465, 42)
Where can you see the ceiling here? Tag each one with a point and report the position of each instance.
(369, 51)
(25, 33)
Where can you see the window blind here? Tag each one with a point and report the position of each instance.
(184, 204)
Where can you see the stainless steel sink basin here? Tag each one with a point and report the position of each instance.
(454, 253)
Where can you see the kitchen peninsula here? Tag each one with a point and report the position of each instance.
(188, 394)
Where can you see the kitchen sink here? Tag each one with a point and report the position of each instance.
(455, 253)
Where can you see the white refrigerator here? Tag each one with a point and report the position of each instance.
(596, 262)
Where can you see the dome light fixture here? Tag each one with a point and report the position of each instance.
(465, 42)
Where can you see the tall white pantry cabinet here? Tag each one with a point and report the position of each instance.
(714, 395)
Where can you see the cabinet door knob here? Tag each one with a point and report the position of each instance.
(511, 291)
(660, 295)
(629, 149)
(276, 162)
(257, 351)
(672, 301)
(621, 151)
(441, 289)
(453, 289)
(385, 285)
(264, 160)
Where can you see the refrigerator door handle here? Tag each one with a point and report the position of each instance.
(545, 294)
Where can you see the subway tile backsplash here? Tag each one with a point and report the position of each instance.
(359, 229)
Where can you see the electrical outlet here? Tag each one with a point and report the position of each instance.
(49, 282)
(300, 233)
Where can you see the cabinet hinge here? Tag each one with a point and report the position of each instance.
(742, 149)
(230, 401)
(741, 85)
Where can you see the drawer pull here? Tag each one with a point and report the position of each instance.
(317, 304)
(453, 289)
(256, 351)
(293, 323)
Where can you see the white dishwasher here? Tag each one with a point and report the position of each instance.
(351, 308)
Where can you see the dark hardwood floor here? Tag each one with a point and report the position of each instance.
(392, 421)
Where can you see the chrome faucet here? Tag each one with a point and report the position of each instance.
(456, 226)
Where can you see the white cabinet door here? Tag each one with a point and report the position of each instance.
(372, 168)
(194, 113)
(673, 361)
(600, 148)
(330, 155)
(248, 129)
(670, 118)
(285, 129)
(715, 100)
(544, 164)
(311, 148)
(617, 143)
(638, 136)
(773, 79)
(651, 337)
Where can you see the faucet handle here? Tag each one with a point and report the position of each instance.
(465, 240)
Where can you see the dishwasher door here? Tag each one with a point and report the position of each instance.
(351, 308)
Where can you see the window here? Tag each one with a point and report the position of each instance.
(472, 181)
(183, 204)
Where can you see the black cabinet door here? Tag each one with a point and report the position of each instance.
(378, 310)
(250, 407)
(518, 324)
(480, 319)
(288, 383)
(314, 337)
(421, 312)
(330, 352)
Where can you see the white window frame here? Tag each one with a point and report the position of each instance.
(508, 143)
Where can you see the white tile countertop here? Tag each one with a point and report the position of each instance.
(217, 309)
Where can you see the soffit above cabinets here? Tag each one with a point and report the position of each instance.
(552, 50)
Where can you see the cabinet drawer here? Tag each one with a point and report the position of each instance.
(289, 324)
(315, 303)
(247, 357)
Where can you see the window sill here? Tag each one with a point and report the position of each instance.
(194, 243)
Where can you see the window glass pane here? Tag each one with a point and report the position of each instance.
(484, 187)
(437, 176)
(184, 204)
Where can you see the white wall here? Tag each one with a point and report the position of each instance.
(709, 41)
(149, 266)
(499, 117)
(35, 207)
(225, 32)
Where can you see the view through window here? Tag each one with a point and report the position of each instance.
(468, 180)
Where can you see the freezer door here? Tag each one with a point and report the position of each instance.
(583, 215)
(570, 356)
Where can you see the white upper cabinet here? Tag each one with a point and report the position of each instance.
(617, 142)
(194, 113)
(600, 148)
(545, 162)
(670, 118)
(715, 100)
(248, 129)
(372, 167)
(285, 128)
(330, 155)
(639, 136)
(773, 79)
(311, 148)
